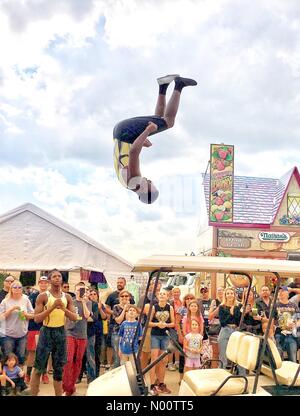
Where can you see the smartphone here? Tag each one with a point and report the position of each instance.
(81, 291)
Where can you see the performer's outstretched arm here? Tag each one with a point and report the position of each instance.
(135, 150)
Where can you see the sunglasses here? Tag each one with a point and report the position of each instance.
(9, 281)
(124, 296)
(189, 298)
(16, 287)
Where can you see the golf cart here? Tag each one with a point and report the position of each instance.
(257, 354)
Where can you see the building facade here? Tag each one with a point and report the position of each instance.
(266, 220)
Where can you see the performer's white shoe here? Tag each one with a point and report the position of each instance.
(167, 79)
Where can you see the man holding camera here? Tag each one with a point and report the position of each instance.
(76, 339)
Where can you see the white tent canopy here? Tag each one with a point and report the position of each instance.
(32, 240)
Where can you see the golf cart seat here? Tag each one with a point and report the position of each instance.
(242, 349)
(285, 370)
(120, 381)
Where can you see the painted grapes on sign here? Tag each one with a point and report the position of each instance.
(221, 183)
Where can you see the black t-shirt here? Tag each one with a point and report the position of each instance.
(294, 286)
(226, 318)
(3, 293)
(140, 305)
(250, 324)
(205, 306)
(95, 327)
(72, 295)
(161, 314)
(32, 325)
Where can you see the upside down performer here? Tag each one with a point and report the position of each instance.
(131, 135)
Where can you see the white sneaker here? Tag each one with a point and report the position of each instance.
(172, 367)
(166, 79)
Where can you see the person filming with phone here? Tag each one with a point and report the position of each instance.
(250, 324)
(76, 339)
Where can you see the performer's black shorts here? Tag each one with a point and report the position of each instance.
(51, 341)
(128, 130)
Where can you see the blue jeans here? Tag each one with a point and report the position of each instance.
(15, 345)
(287, 343)
(223, 338)
(100, 351)
(115, 339)
(90, 359)
(1, 343)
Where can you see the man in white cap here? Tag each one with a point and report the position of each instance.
(34, 330)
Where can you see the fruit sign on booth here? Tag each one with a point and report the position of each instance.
(221, 183)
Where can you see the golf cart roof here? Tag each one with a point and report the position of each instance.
(234, 265)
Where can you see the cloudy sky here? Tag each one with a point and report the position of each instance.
(71, 69)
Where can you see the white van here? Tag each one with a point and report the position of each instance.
(185, 282)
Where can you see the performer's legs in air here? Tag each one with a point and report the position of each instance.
(163, 83)
(169, 111)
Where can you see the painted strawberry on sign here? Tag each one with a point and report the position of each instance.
(221, 183)
(223, 153)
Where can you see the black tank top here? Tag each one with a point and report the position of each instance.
(161, 314)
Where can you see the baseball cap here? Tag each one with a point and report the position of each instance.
(284, 288)
(43, 278)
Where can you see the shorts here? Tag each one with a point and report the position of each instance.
(51, 341)
(192, 362)
(32, 340)
(159, 342)
(127, 357)
(129, 130)
(19, 382)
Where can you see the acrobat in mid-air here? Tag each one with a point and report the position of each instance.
(131, 135)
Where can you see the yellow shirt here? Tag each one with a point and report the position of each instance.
(121, 158)
(57, 316)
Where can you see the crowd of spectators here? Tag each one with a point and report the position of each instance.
(72, 335)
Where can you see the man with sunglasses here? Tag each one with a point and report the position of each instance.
(6, 286)
(66, 289)
(33, 332)
(113, 298)
(204, 303)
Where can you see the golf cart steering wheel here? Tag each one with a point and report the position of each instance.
(175, 343)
